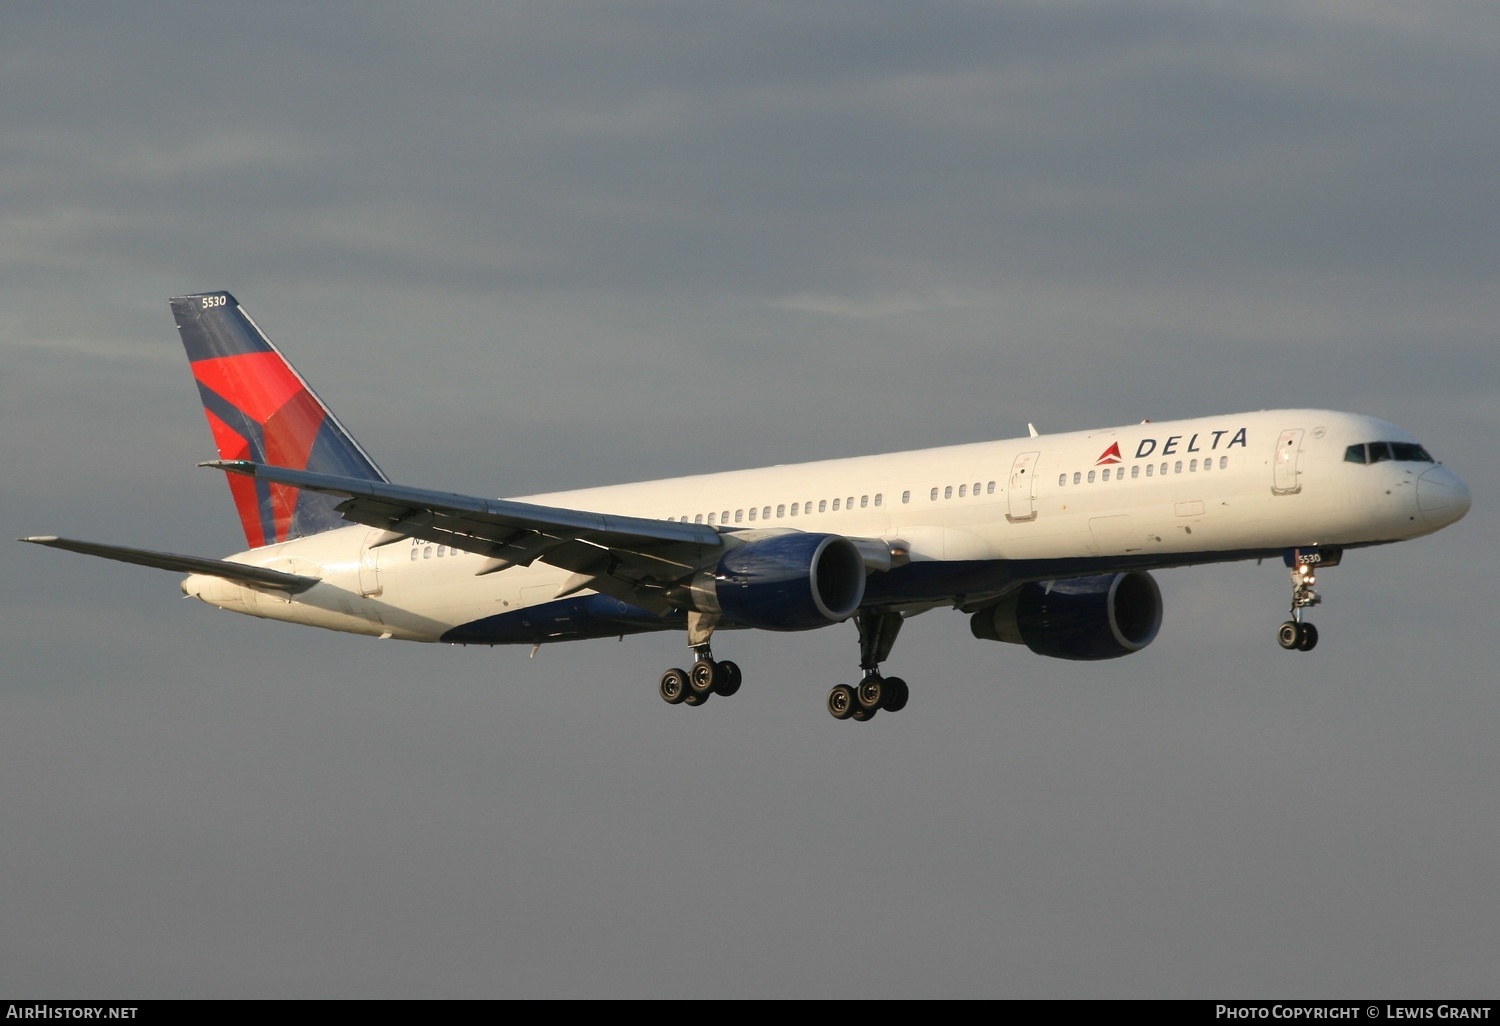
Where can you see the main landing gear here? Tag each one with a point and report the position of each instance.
(1296, 634)
(877, 633)
(707, 676)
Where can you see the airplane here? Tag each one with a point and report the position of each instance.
(1045, 541)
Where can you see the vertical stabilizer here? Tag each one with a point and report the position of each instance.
(261, 410)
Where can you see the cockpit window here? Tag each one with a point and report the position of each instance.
(1411, 452)
(1380, 452)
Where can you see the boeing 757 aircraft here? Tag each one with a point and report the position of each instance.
(1043, 541)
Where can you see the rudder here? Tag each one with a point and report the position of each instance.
(260, 409)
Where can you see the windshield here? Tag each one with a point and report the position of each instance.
(1379, 452)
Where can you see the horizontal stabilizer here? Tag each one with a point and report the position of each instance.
(182, 564)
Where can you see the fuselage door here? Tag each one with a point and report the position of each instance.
(369, 565)
(1288, 463)
(1021, 495)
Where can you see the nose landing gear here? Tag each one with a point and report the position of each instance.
(1296, 634)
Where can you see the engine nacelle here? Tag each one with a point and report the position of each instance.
(1083, 618)
(787, 582)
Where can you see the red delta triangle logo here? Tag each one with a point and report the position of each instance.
(1111, 455)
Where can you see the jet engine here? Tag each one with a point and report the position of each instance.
(786, 582)
(1083, 618)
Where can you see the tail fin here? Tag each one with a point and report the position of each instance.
(261, 410)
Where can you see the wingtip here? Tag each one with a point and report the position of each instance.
(39, 539)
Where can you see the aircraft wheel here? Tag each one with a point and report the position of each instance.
(863, 715)
(871, 691)
(842, 702)
(727, 680)
(1289, 634)
(702, 676)
(1307, 638)
(673, 688)
(896, 694)
(693, 698)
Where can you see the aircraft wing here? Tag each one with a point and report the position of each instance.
(634, 559)
(240, 572)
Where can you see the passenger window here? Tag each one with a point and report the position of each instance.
(864, 500)
(934, 495)
(822, 505)
(1177, 467)
(1149, 468)
(963, 490)
(752, 514)
(1192, 466)
(427, 552)
(1208, 463)
(1091, 477)
(698, 519)
(780, 510)
(1105, 475)
(849, 502)
(947, 491)
(1163, 470)
(710, 518)
(1062, 479)
(413, 555)
(765, 513)
(905, 497)
(835, 505)
(1077, 477)
(1223, 462)
(794, 509)
(879, 498)
(724, 517)
(739, 516)
(976, 487)
(990, 488)
(1135, 471)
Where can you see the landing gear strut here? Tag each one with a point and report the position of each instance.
(1296, 634)
(877, 633)
(707, 675)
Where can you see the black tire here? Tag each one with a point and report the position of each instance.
(863, 715)
(870, 693)
(1308, 638)
(673, 687)
(841, 702)
(727, 681)
(692, 698)
(1289, 634)
(896, 694)
(702, 677)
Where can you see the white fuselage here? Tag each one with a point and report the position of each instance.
(1146, 495)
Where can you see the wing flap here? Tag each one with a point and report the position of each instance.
(634, 559)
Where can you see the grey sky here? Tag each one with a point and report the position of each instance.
(522, 247)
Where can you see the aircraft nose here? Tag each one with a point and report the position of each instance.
(1442, 497)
